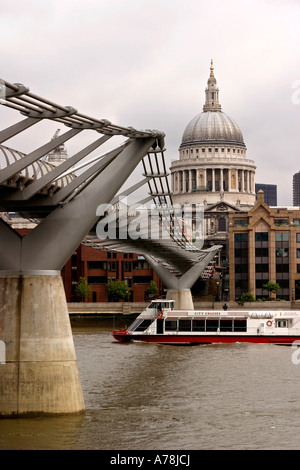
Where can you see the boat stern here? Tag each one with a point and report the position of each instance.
(121, 335)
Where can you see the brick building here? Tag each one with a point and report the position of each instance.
(98, 266)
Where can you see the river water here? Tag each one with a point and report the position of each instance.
(154, 397)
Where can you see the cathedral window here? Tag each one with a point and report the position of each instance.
(222, 225)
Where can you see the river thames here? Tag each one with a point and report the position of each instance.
(154, 397)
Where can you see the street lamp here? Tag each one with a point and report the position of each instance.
(217, 298)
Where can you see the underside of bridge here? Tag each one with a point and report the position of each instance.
(40, 374)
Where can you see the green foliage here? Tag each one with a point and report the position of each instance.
(152, 288)
(82, 289)
(246, 297)
(272, 287)
(117, 290)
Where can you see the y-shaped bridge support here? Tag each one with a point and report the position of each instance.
(40, 374)
(179, 288)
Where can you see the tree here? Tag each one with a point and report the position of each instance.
(246, 297)
(117, 290)
(152, 289)
(272, 288)
(82, 289)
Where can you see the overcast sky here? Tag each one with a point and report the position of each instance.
(145, 63)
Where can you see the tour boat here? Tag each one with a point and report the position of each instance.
(161, 323)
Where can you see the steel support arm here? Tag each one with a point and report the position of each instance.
(54, 240)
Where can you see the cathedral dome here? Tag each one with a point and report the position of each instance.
(212, 127)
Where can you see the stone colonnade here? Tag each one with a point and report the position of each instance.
(213, 179)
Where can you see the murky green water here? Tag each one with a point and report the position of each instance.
(149, 396)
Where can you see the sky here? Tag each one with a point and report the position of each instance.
(145, 64)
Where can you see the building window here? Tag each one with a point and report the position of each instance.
(127, 266)
(112, 267)
(97, 280)
(298, 252)
(241, 237)
(298, 237)
(283, 252)
(222, 225)
(241, 223)
(282, 237)
(261, 236)
(281, 222)
(96, 264)
(297, 222)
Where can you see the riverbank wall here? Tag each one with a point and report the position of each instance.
(135, 308)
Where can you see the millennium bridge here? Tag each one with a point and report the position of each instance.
(71, 203)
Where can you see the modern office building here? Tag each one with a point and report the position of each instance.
(270, 192)
(296, 189)
(264, 245)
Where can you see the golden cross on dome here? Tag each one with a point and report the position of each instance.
(211, 68)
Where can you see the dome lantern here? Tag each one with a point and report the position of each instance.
(212, 93)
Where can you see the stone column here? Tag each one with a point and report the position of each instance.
(221, 180)
(213, 188)
(205, 178)
(183, 181)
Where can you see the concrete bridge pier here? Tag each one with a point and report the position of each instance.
(40, 374)
(183, 298)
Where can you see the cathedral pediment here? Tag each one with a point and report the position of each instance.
(223, 207)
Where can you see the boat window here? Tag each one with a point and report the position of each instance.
(198, 325)
(226, 325)
(143, 325)
(239, 325)
(185, 325)
(212, 325)
(170, 325)
(282, 324)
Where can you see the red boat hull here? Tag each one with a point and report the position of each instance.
(124, 336)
